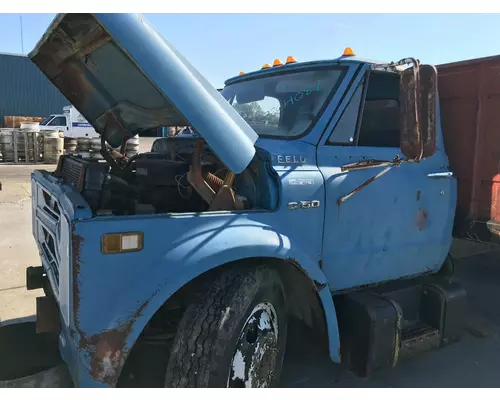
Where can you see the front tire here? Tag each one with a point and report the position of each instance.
(234, 334)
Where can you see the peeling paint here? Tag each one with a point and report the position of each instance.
(253, 361)
(107, 348)
(238, 366)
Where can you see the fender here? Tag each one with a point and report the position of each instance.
(192, 253)
(262, 245)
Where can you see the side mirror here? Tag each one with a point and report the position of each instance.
(418, 112)
(428, 109)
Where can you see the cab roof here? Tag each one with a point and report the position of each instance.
(346, 60)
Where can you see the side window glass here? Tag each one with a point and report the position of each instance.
(58, 121)
(380, 121)
(345, 129)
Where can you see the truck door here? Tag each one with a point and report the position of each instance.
(381, 223)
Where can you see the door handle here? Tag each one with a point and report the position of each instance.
(440, 175)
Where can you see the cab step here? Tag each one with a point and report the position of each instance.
(418, 338)
(381, 326)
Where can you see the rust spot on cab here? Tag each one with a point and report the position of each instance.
(421, 219)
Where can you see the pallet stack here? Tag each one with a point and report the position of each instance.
(16, 121)
(18, 145)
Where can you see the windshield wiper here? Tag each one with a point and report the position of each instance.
(369, 164)
(372, 164)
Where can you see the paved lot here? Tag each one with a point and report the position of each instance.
(17, 246)
(474, 362)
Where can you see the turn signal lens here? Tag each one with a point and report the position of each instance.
(113, 243)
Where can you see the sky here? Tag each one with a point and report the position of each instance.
(222, 45)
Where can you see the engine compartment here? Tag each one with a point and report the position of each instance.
(180, 174)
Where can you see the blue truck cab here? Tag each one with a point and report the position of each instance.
(313, 191)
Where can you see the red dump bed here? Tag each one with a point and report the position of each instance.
(469, 93)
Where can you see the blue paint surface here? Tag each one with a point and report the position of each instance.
(379, 234)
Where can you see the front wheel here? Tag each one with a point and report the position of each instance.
(234, 335)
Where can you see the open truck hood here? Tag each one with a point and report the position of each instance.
(123, 77)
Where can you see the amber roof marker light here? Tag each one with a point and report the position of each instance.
(277, 63)
(266, 66)
(290, 60)
(348, 52)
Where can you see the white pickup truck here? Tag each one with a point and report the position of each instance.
(71, 122)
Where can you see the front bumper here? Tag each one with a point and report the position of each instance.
(47, 311)
(48, 322)
(71, 365)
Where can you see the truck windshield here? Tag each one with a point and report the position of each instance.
(46, 120)
(286, 104)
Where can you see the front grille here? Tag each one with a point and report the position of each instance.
(49, 253)
(50, 206)
(47, 222)
(71, 172)
(81, 173)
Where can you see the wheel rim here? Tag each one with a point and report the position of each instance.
(256, 351)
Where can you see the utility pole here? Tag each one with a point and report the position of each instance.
(22, 41)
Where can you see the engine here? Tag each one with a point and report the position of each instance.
(180, 174)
